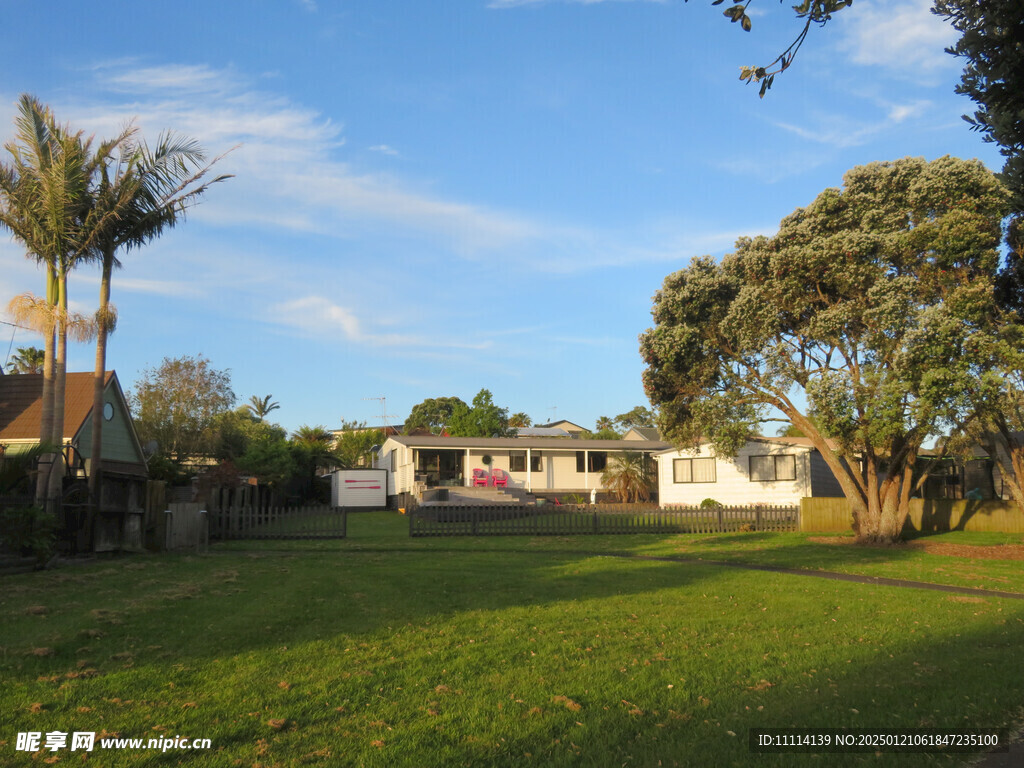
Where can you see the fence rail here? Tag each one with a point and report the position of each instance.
(505, 520)
(315, 522)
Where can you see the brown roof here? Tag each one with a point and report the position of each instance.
(21, 404)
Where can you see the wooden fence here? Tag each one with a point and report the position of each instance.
(926, 516)
(316, 522)
(506, 520)
(186, 526)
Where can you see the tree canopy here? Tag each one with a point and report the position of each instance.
(993, 77)
(483, 419)
(873, 302)
(433, 414)
(177, 402)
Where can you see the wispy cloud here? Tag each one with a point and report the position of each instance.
(384, 149)
(319, 317)
(904, 36)
(841, 130)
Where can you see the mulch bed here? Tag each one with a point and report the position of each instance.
(969, 551)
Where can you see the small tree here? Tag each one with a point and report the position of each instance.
(261, 407)
(433, 414)
(629, 476)
(177, 402)
(27, 360)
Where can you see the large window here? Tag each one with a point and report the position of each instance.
(766, 469)
(535, 462)
(597, 461)
(693, 470)
(517, 461)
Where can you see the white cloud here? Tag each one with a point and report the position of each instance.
(904, 36)
(319, 317)
(838, 130)
(384, 149)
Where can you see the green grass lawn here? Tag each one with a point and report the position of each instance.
(379, 650)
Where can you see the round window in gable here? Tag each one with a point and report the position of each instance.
(108, 411)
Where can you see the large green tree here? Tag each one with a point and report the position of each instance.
(433, 414)
(873, 303)
(177, 404)
(482, 419)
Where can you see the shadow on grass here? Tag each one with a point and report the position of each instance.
(674, 704)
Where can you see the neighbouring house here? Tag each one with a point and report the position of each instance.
(573, 429)
(642, 433)
(387, 429)
(545, 465)
(767, 470)
(121, 510)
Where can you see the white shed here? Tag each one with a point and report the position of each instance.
(359, 488)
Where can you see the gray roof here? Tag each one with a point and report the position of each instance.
(534, 443)
(541, 432)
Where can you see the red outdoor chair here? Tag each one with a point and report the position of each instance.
(480, 478)
(499, 478)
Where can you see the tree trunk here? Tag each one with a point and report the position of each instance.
(46, 405)
(99, 374)
(59, 386)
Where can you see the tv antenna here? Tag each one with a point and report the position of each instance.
(554, 414)
(384, 415)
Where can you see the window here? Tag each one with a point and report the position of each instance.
(693, 470)
(597, 461)
(517, 461)
(535, 463)
(766, 469)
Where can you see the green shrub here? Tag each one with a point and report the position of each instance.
(710, 504)
(29, 530)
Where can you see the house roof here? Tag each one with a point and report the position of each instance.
(521, 443)
(564, 424)
(647, 433)
(802, 442)
(541, 432)
(21, 404)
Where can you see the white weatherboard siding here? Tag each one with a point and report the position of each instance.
(823, 482)
(732, 485)
(359, 488)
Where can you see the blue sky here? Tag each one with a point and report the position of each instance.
(435, 198)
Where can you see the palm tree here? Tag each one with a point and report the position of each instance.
(44, 202)
(138, 193)
(603, 423)
(629, 476)
(28, 360)
(518, 420)
(261, 407)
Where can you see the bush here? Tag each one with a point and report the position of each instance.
(29, 530)
(710, 504)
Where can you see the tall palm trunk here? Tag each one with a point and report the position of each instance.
(59, 386)
(104, 327)
(46, 404)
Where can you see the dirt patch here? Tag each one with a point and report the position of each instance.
(969, 551)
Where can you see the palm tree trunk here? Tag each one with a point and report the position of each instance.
(46, 405)
(99, 374)
(59, 387)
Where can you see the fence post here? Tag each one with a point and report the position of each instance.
(720, 509)
(473, 515)
(204, 524)
(757, 518)
(595, 521)
(168, 529)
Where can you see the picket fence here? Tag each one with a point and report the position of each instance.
(257, 522)
(507, 520)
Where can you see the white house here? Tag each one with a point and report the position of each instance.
(767, 470)
(536, 464)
